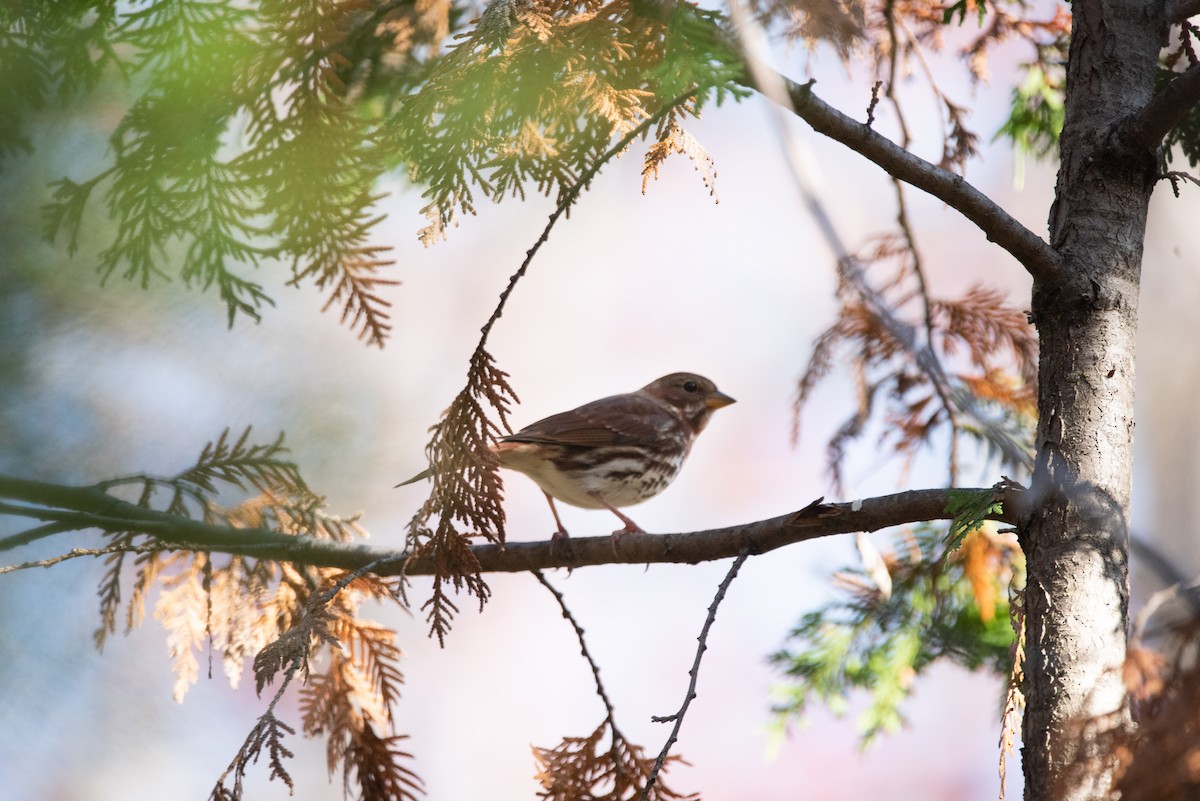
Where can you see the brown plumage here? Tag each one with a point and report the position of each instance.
(616, 451)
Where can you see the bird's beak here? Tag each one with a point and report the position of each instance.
(718, 399)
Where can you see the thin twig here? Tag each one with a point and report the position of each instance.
(694, 673)
(800, 101)
(566, 613)
(75, 553)
(568, 199)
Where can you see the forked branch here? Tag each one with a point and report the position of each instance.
(694, 673)
(1166, 109)
(1034, 254)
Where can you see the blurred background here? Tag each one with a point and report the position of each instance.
(102, 381)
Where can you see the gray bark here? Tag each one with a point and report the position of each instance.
(1076, 535)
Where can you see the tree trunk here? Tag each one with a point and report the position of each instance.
(1076, 535)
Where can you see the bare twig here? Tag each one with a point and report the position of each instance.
(694, 673)
(1029, 249)
(583, 649)
(75, 553)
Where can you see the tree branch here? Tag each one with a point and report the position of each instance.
(693, 674)
(610, 710)
(1166, 109)
(107, 513)
(1037, 257)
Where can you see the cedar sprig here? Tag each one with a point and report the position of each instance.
(1014, 696)
(580, 767)
(110, 589)
(536, 93)
(349, 701)
(299, 185)
(268, 732)
(377, 767)
(906, 356)
(467, 494)
(672, 138)
(943, 604)
(243, 465)
(237, 604)
(601, 766)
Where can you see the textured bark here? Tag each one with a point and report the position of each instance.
(1076, 537)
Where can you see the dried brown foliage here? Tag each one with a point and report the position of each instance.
(965, 366)
(466, 490)
(671, 138)
(579, 768)
(347, 700)
(292, 621)
(1014, 698)
(587, 769)
(1157, 758)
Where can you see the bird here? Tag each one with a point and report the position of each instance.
(614, 452)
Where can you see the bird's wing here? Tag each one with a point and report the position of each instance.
(618, 420)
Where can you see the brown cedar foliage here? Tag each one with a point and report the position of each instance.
(295, 621)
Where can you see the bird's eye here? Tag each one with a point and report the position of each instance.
(690, 386)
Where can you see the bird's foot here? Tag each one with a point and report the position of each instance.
(630, 528)
(558, 536)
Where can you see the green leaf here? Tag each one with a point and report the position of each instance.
(1185, 136)
(1035, 117)
(960, 8)
(880, 645)
(970, 510)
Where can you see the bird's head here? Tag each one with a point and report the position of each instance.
(693, 396)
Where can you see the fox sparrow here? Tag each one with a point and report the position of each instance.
(616, 451)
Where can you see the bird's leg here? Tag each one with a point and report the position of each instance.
(630, 526)
(561, 534)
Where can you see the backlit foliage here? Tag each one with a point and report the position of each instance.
(291, 621)
(925, 366)
(588, 769)
(466, 489)
(535, 93)
(943, 605)
(259, 133)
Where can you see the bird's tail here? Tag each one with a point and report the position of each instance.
(424, 474)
